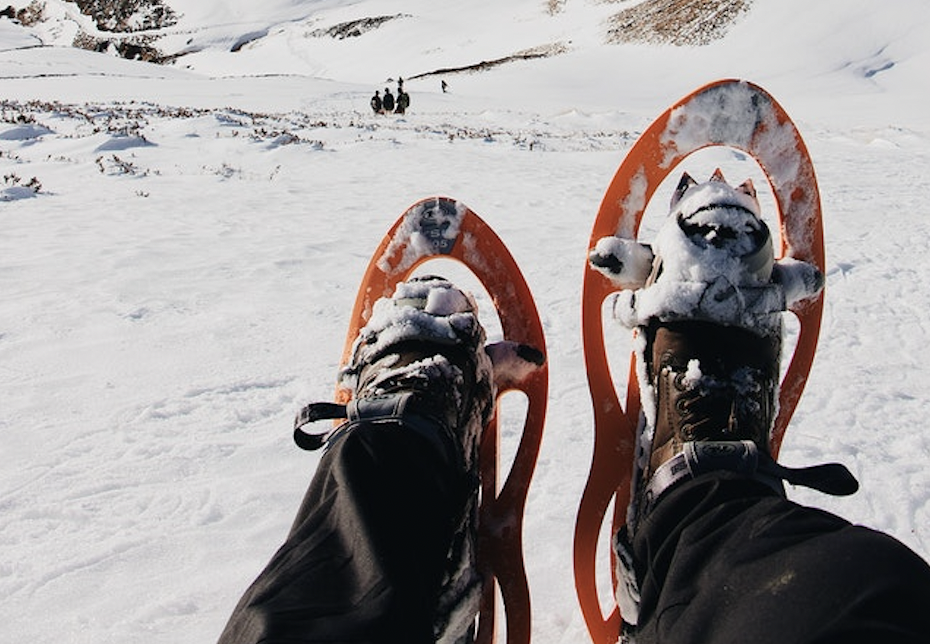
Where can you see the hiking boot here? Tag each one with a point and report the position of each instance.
(712, 383)
(424, 345)
(710, 315)
(709, 334)
(421, 363)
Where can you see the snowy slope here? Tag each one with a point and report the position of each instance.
(180, 283)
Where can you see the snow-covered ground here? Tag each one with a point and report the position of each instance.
(181, 282)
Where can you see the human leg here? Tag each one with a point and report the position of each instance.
(723, 558)
(382, 547)
(367, 553)
(717, 551)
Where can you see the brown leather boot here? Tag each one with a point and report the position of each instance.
(712, 383)
(716, 393)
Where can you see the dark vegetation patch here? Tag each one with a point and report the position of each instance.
(355, 28)
(676, 22)
(543, 51)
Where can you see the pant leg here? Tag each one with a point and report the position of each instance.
(725, 559)
(366, 555)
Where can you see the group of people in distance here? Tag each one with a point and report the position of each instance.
(388, 103)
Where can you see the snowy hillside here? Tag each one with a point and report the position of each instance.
(182, 243)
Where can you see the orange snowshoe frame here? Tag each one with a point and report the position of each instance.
(500, 513)
(729, 113)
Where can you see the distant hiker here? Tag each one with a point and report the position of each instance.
(445, 87)
(376, 102)
(403, 102)
(400, 85)
(388, 101)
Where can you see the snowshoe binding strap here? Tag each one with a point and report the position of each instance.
(394, 408)
(310, 414)
(743, 457)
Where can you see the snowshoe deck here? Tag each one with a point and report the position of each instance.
(729, 113)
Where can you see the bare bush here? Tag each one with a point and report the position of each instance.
(11, 180)
(128, 15)
(31, 14)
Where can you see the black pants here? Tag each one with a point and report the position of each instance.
(721, 559)
(726, 560)
(366, 555)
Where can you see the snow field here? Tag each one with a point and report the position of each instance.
(181, 285)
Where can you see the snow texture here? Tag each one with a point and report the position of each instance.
(625, 262)
(165, 311)
(735, 115)
(431, 310)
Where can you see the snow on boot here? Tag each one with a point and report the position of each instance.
(625, 262)
(712, 260)
(426, 340)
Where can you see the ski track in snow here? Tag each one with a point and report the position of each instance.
(182, 281)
